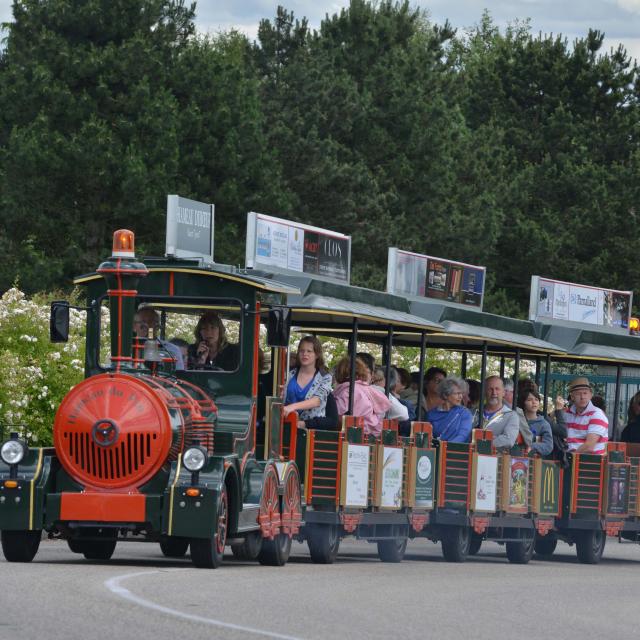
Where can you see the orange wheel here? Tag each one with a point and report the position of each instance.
(291, 502)
(269, 514)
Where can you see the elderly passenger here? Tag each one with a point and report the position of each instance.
(500, 419)
(451, 421)
(146, 324)
(587, 426)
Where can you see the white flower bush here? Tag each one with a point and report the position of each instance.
(35, 374)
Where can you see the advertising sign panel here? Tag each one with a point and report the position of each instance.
(282, 245)
(618, 488)
(414, 274)
(485, 483)
(424, 478)
(546, 493)
(355, 476)
(390, 474)
(555, 300)
(189, 228)
(516, 485)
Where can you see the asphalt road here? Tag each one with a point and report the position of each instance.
(140, 594)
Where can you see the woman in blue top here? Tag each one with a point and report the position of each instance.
(451, 421)
(309, 383)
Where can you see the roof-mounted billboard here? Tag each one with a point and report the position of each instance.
(291, 247)
(422, 276)
(557, 302)
(189, 229)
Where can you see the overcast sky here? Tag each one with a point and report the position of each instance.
(619, 19)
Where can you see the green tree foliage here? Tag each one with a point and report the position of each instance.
(85, 99)
(502, 148)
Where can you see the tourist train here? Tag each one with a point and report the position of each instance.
(201, 459)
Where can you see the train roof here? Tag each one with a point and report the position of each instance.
(323, 305)
(591, 345)
(320, 304)
(193, 267)
(468, 329)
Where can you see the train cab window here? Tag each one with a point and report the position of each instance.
(199, 338)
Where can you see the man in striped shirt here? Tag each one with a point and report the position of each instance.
(587, 426)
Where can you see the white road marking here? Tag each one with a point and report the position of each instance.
(113, 584)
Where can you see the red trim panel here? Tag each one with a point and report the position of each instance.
(102, 507)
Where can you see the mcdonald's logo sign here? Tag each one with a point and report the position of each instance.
(549, 496)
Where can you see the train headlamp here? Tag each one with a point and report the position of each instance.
(13, 451)
(194, 458)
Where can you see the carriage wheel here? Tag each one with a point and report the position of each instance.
(249, 548)
(324, 542)
(590, 545)
(207, 553)
(392, 550)
(455, 543)
(521, 551)
(545, 546)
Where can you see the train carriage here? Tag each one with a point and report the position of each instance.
(599, 494)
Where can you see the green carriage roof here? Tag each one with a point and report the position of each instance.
(592, 345)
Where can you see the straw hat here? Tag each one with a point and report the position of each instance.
(580, 383)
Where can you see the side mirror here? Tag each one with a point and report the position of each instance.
(279, 327)
(59, 321)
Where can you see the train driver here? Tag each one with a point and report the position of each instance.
(146, 318)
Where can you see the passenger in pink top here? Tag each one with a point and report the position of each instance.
(368, 402)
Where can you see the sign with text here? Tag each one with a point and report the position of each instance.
(424, 478)
(554, 300)
(414, 274)
(354, 491)
(618, 476)
(282, 245)
(484, 483)
(390, 477)
(189, 228)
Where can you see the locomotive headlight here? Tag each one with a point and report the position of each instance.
(194, 458)
(13, 451)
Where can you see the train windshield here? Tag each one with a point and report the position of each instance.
(198, 337)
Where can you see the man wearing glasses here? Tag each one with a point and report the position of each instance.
(147, 318)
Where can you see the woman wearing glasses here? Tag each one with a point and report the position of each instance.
(451, 421)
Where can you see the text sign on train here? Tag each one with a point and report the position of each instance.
(189, 228)
(415, 274)
(554, 300)
(285, 246)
